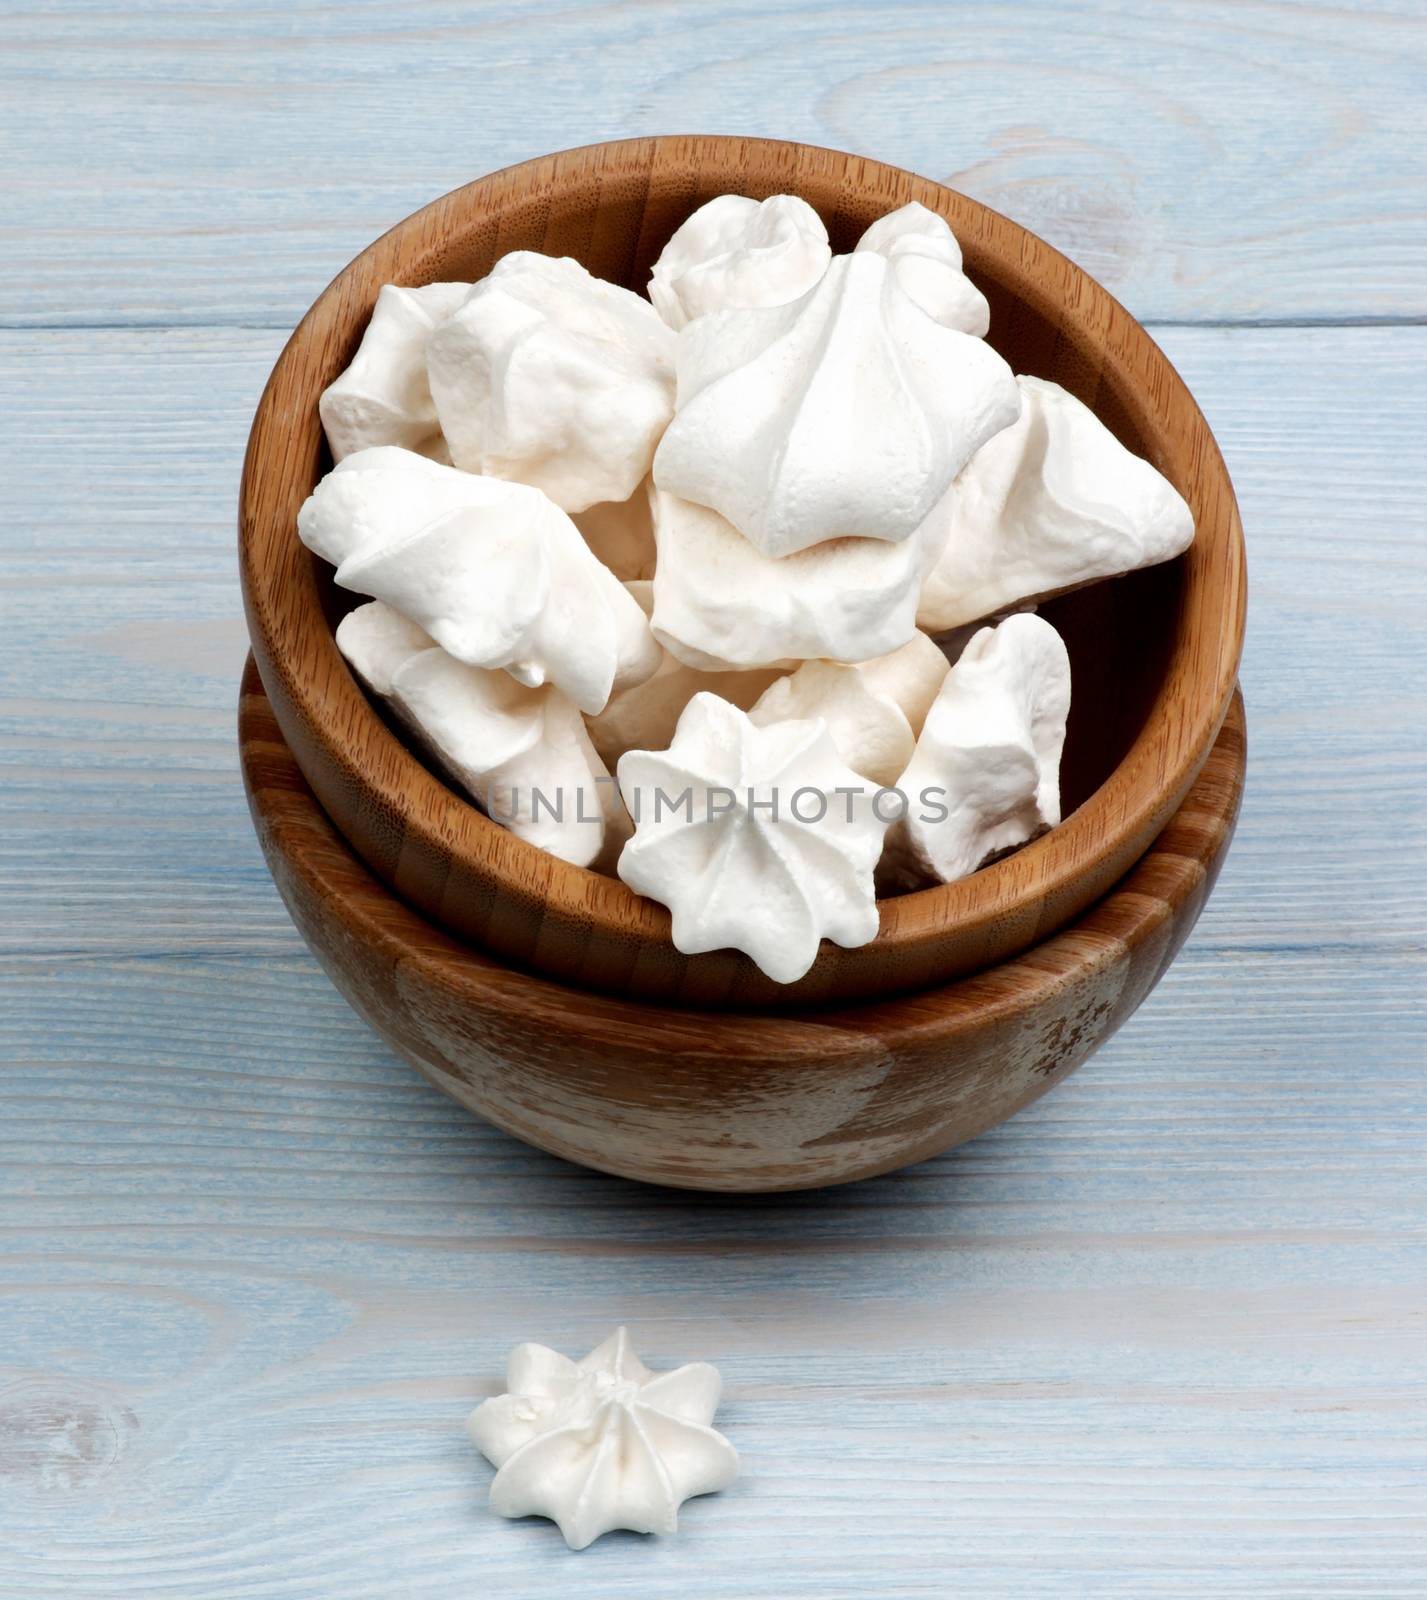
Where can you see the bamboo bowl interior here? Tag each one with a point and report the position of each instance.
(1154, 655)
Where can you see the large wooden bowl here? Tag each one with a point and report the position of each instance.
(708, 1100)
(1154, 655)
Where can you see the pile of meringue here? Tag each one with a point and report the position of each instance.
(767, 544)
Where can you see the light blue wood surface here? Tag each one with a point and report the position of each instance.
(1163, 1334)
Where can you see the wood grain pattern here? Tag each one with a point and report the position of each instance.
(718, 1100)
(1153, 657)
(1205, 159)
(1158, 1335)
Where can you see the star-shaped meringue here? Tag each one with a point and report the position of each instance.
(602, 1443)
(757, 839)
(845, 414)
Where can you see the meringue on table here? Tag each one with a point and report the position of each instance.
(1052, 503)
(756, 839)
(603, 1442)
(844, 414)
(548, 376)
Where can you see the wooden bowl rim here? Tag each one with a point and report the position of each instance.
(1154, 773)
(298, 831)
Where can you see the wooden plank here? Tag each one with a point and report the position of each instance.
(172, 163)
(1160, 1335)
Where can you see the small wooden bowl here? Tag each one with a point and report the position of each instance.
(706, 1100)
(1154, 655)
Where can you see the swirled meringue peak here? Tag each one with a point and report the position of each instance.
(874, 710)
(737, 252)
(383, 396)
(844, 414)
(521, 754)
(719, 602)
(498, 575)
(985, 776)
(602, 1443)
(1053, 503)
(756, 839)
(927, 261)
(548, 376)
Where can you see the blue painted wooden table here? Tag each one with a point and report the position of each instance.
(1163, 1334)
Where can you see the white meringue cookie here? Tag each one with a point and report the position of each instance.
(952, 641)
(383, 396)
(757, 839)
(494, 571)
(602, 1443)
(874, 710)
(927, 261)
(844, 414)
(1052, 503)
(621, 533)
(511, 584)
(383, 492)
(985, 776)
(721, 603)
(523, 755)
(737, 252)
(377, 642)
(548, 376)
(496, 739)
(645, 716)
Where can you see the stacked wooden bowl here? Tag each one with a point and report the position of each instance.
(551, 999)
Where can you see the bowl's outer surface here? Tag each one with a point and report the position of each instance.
(1155, 655)
(725, 1101)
